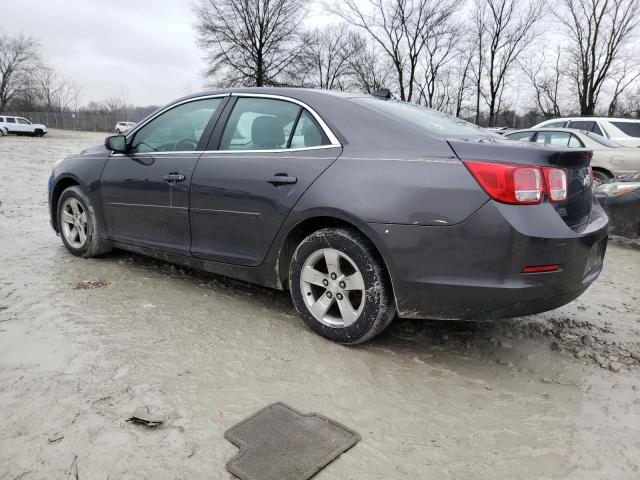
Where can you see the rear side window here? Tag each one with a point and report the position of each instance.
(11, 120)
(574, 142)
(1, 119)
(308, 133)
(520, 136)
(554, 138)
(582, 125)
(178, 129)
(629, 128)
(554, 125)
(259, 124)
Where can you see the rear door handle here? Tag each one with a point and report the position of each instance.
(282, 179)
(173, 178)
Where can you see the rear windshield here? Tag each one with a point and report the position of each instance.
(600, 139)
(433, 121)
(630, 128)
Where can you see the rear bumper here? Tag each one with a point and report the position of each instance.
(473, 270)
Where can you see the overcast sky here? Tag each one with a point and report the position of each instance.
(146, 47)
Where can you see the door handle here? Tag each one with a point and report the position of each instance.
(173, 178)
(282, 179)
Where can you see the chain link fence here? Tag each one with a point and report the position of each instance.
(86, 121)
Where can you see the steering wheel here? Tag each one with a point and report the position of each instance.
(185, 144)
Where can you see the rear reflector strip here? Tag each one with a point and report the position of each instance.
(541, 269)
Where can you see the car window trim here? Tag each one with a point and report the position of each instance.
(333, 140)
(169, 107)
(208, 130)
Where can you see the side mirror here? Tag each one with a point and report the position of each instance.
(117, 143)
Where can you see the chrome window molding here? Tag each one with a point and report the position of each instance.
(188, 100)
(327, 131)
(325, 128)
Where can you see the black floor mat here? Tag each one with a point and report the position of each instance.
(280, 443)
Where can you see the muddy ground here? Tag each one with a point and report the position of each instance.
(551, 396)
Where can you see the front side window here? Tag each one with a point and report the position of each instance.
(631, 129)
(23, 121)
(259, 124)
(553, 138)
(176, 130)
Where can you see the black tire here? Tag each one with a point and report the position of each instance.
(379, 305)
(601, 176)
(94, 245)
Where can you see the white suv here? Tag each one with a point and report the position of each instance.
(124, 127)
(21, 126)
(624, 131)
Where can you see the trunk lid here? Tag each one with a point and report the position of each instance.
(576, 208)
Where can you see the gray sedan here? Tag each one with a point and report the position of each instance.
(365, 208)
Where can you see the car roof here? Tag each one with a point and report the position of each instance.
(586, 119)
(532, 129)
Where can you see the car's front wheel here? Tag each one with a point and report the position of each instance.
(601, 176)
(78, 226)
(340, 287)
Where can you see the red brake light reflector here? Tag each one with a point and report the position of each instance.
(556, 180)
(518, 184)
(541, 269)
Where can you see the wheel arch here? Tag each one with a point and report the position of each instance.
(604, 170)
(307, 226)
(60, 186)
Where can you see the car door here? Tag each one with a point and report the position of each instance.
(23, 125)
(262, 158)
(10, 124)
(145, 192)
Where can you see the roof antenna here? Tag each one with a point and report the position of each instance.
(382, 93)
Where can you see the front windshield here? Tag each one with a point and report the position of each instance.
(601, 140)
(434, 121)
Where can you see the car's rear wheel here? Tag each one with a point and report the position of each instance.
(601, 176)
(340, 287)
(78, 226)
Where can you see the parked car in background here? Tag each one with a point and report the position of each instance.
(364, 208)
(124, 127)
(500, 130)
(610, 159)
(21, 126)
(624, 131)
(620, 198)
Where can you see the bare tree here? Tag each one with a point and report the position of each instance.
(18, 56)
(546, 80)
(627, 74)
(368, 70)
(597, 31)
(440, 49)
(400, 28)
(326, 56)
(249, 42)
(509, 28)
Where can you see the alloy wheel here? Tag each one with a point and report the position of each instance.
(74, 223)
(333, 288)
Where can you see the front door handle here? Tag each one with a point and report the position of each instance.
(173, 178)
(282, 179)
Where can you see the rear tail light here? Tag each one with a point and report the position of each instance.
(519, 184)
(556, 180)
